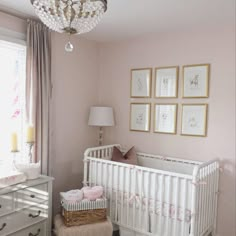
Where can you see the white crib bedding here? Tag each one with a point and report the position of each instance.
(163, 188)
(142, 220)
(154, 163)
(135, 203)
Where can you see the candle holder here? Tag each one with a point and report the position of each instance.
(30, 146)
(14, 153)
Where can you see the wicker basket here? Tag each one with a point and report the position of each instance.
(84, 212)
(76, 218)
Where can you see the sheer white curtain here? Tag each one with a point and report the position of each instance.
(12, 99)
(38, 89)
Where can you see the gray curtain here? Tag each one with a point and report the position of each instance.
(38, 89)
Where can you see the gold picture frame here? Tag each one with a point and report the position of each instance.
(194, 119)
(165, 118)
(166, 82)
(141, 83)
(196, 81)
(140, 117)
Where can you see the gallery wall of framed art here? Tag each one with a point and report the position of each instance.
(157, 106)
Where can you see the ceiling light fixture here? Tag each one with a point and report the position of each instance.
(70, 16)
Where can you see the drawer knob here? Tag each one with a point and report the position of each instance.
(32, 196)
(38, 232)
(3, 226)
(34, 216)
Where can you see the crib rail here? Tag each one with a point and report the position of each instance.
(101, 151)
(167, 158)
(133, 205)
(106, 151)
(156, 202)
(205, 197)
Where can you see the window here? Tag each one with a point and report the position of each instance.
(12, 96)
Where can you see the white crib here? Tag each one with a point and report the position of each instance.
(162, 196)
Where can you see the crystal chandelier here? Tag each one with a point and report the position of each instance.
(70, 16)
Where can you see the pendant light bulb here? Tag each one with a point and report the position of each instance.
(69, 47)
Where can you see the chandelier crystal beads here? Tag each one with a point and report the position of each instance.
(70, 16)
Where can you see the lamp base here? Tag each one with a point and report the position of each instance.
(100, 140)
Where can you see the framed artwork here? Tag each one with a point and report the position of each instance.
(165, 118)
(140, 86)
(194, 119)
(140, 114)
(196, 81)
(166, 82)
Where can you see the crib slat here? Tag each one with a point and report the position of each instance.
(90, 172)
(201, 200)
(101, 174)
(174, 233)
(214, 190)
(106, 152)
(86, 163)
(184, 207)
(110, 151)
(216, 195)
(162, 189)
(154, 226)
(117, 190)
(168, 205)
(111, 192)
(199, 209)
(204, 200)
(208, 196)
(140, 197)
(134, 179)
(213, 194)
(128, 197)
(147, 202)
(122, 192)
(95, 170)
(106, 179)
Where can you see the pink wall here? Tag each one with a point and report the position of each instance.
(75, 81)
(216, 48)
(12, 23)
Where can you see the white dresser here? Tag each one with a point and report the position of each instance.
(26, 208)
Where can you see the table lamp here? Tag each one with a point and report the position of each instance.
(101, 117)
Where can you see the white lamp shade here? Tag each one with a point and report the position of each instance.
(101, 116)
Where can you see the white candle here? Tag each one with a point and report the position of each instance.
(14, 145)
(30, 134)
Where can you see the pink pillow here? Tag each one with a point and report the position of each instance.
(129, 158)
(92, 193)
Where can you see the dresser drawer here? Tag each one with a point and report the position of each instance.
(6, 203)
(24, 218)
(39, 229)
(31, 196)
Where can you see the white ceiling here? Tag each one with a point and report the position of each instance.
(131, 18)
